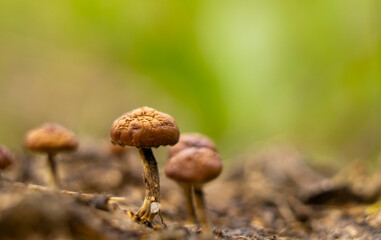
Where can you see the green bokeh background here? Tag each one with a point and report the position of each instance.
(242, 72)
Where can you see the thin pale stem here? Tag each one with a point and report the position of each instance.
(53, 168)
(202, 211)
(152, 181)
(191, 212)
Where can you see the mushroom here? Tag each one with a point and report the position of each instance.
(51, 138)
(195, 167)
(117, 151)
(188, 140)
(6, 158)
(124, 163)
(145, 128)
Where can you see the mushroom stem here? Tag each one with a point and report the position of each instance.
(53, 169)
(152, 181)
(201, 210)
(188, 192)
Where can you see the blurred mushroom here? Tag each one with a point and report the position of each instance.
(51, 138)
(130, 171)
(6, 158)
(195, 167)
(117, 150)
(145, 128)
(189, 140)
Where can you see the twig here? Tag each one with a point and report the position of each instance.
(39, 188)
(162, 220)
(241, 237)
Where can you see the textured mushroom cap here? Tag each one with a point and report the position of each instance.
(188, 140)
(6, 157)
(145, 128)
(51, 137)
(194, 165)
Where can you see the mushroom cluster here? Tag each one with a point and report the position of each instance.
(194, 159)
(193, 162)
(146, 128)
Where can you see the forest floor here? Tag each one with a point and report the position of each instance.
(269, 193)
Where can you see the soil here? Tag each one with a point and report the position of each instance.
(270, 193)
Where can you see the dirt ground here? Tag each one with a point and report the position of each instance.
(268, 193)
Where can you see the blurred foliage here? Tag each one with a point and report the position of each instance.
(306, 72)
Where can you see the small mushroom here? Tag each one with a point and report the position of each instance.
(145, 128)
(195, 167)
(188, 140)
(127, 168)
(117, 151)
(6, 158)
(51, 138)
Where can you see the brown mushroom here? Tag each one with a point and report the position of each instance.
(145, 128)
(6, 158)
(117, 151)
(123, 155)
(195, 167)
(188, 140)
(51, 138)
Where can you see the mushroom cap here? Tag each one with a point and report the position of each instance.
(188, 140)
(194, 166)
(51, 138)
(6, 157)
(145, 128)
(117, 150)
